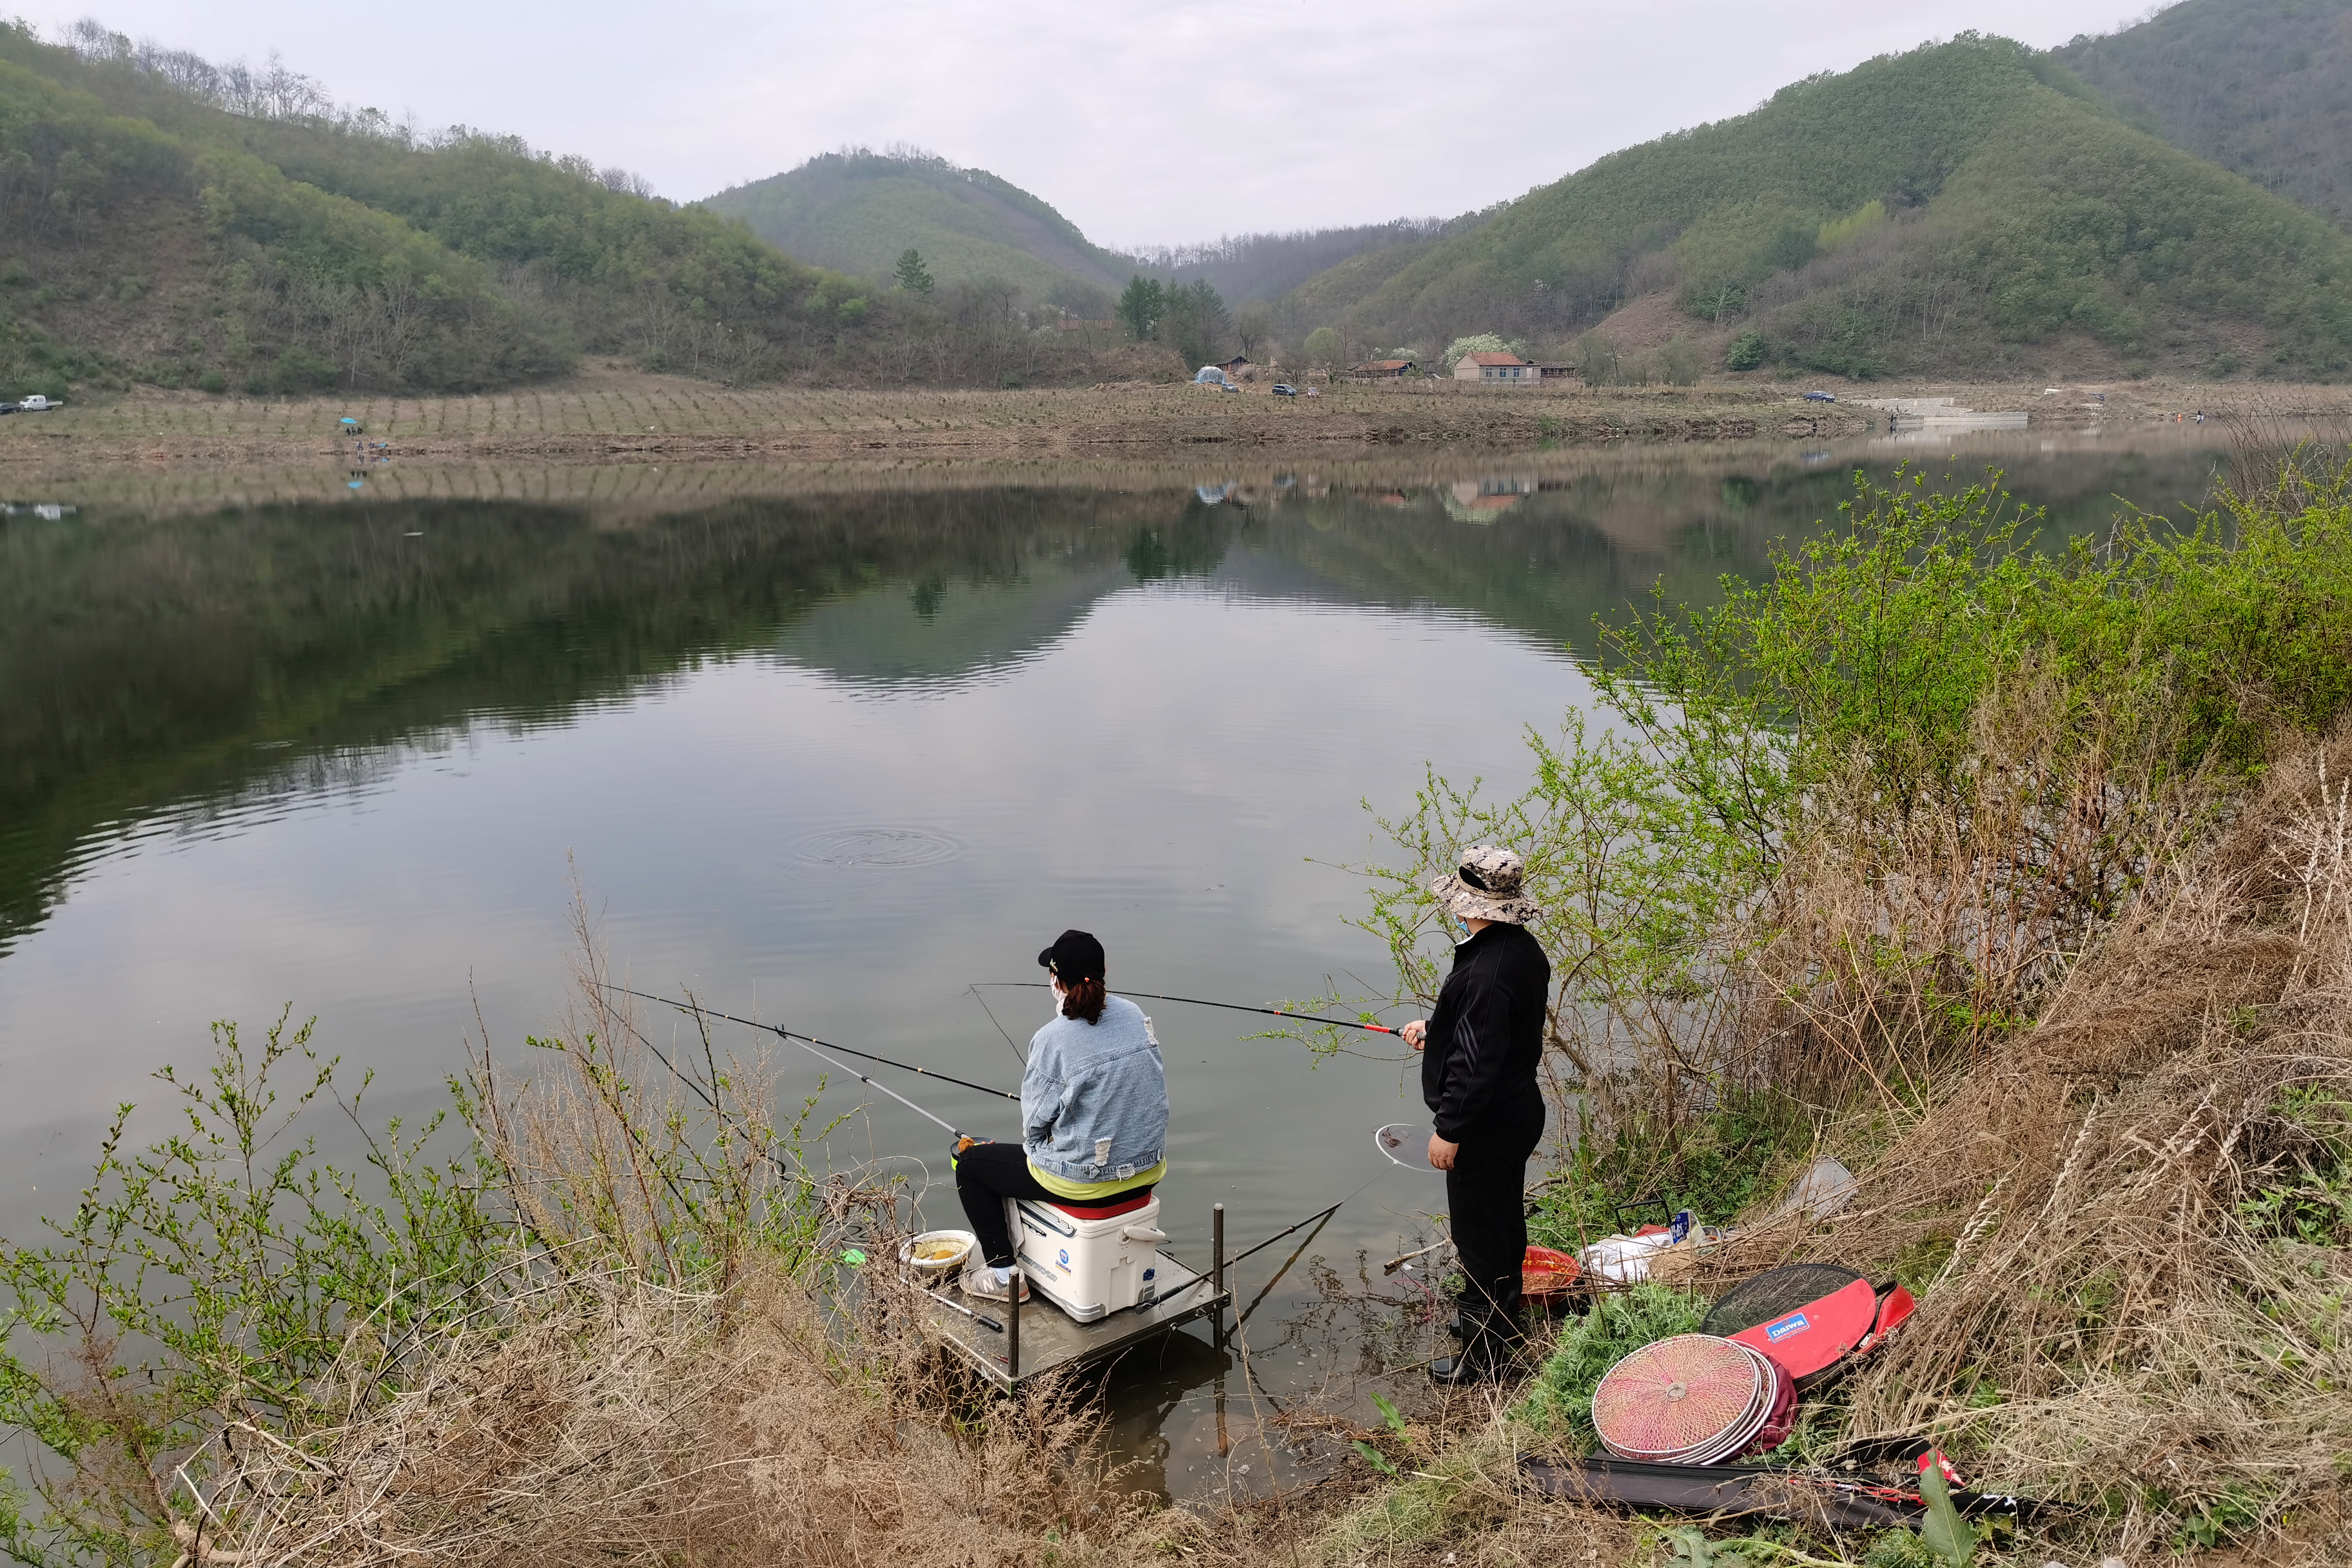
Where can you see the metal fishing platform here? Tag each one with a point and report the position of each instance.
(1045, 1339)
(1038, 1338)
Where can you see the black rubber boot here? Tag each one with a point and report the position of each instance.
(1461, 1367)
(1491, 1336)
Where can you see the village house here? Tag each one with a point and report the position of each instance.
(1382, 369)
(1498, 369)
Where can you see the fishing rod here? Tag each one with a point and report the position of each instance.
(809, 1044)
(1269, 1241)
(806, 1040)
(1278, 1235)
(981, 1319)
(1229, 1006)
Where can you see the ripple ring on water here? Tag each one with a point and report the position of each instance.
(875, 846)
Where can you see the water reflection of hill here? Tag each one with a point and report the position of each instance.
(149, 662)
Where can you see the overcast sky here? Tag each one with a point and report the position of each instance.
(1147, 122)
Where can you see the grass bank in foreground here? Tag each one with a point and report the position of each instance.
(2023, 885)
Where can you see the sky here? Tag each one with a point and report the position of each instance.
(1165, 123)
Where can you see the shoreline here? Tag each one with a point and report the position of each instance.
(617, 419)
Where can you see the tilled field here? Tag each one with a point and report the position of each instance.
(649, 419)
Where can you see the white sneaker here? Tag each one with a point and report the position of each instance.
(993, 1284)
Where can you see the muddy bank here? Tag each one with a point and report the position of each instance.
(627, 419)
(650, 420)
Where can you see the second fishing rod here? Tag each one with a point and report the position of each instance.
(818, 1048)
(1228, 1006)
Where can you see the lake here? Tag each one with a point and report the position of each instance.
(838, 746)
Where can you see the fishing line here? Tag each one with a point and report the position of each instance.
(810, 1046)
(999, 1028)
(1229, 1006)
(804, 1041)
(783, 1167)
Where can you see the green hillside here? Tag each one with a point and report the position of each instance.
(860, 210)
(1967, 209)
(2263, 87)
(168, 221)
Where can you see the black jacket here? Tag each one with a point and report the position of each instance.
(1485, 1038)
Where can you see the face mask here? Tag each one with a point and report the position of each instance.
(1055, 986)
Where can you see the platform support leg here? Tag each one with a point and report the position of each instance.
(1013, 1327)
(1217, 1270)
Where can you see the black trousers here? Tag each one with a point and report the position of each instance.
(987, 1174)
(1485, 1193)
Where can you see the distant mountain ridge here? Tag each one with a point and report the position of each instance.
(858, 210)
(1967, 209)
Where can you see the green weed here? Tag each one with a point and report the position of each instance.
(1559, 1404)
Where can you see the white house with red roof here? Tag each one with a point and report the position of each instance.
(1498, 369)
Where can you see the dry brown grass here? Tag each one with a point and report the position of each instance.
(674, 1369)
(2103, 1321)
(613, 1420)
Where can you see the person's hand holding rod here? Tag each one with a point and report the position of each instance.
(1440, 1153)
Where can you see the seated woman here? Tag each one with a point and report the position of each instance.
(1094, 1114)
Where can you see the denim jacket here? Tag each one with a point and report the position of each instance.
(1094, 1100)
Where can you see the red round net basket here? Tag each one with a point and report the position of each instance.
(1688, 1400)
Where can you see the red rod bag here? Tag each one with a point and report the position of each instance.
(1813, 1339)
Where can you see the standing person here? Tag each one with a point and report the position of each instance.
(1483, 1044)
(1094, 1114)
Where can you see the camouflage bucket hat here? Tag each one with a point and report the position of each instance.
(1486, 887)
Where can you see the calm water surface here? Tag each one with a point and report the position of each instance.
(836, 757)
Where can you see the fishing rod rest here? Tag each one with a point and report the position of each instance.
(1013, 1325)
(1217, 1271)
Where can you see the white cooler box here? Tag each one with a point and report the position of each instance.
(1089, 1259)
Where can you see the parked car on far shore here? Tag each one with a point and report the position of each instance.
(1284, 389)
(1820, 397)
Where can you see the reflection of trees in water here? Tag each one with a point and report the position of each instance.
(1190, 544)
(147, 661)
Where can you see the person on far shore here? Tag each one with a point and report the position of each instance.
(1094, 1114)
(1482, 1045)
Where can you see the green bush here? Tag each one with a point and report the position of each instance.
(1920, 681)
(297, 370)
(223, 1274)
(1746, 352)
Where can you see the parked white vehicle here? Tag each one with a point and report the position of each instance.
(37, 404)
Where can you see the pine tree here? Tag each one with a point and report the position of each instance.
(1140, 306)
(912, 275)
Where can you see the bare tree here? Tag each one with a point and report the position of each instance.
(627, 182)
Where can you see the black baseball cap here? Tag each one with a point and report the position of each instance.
(1075, 955)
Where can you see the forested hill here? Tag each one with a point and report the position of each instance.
(860, 210)
(1967, 208)
(167, 220)
(1247, 266)
(2263, 87)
